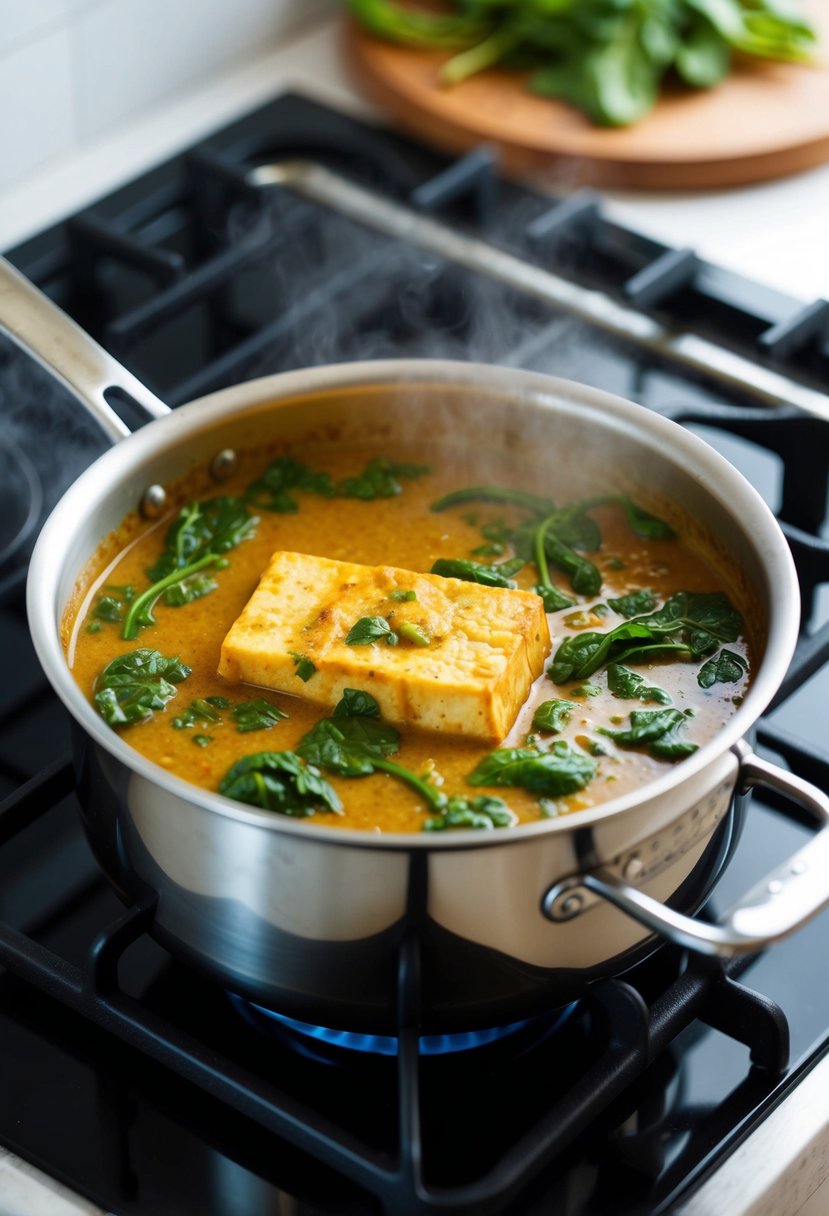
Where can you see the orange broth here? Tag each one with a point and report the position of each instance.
(401, 531)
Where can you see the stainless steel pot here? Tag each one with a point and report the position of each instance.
(308, 919)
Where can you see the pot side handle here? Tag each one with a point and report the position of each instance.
(69, 353)
(775, 907)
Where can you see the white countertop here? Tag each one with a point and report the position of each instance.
(776, 232)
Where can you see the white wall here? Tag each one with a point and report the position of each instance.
(71, 71)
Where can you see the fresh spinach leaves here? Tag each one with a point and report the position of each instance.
(281, 782)
(134, 685)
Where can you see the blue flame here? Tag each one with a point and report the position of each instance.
(386, 1045)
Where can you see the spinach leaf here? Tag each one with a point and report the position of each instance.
(356, 704)
(483, 812)
(633, 604)
(212, 527)
(257, 714)
(553, 715)
(272, 491)
(199, 537)
(189, 589)
(725, 668)
(518, 498)
(402, 597)
(305, 667)
(281, 782)
(474, 572)
(370, 629)
(113, 602)
(354, 742)
(379, 479)
(656, 729)
(687, 624)
(202, 709)
(201, 740)
(643, 523)
(554, 600)
(623, 682)
(135, 684)
(553, 773)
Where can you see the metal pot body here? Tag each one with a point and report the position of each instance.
(309, 919)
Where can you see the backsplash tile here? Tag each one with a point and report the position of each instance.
(129, 53)
(37, 122)
(72, 70)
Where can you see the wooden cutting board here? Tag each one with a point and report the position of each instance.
(764, 121)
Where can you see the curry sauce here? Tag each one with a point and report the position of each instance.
(404, 531)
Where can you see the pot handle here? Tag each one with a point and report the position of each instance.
(69, 353)
(775, 907)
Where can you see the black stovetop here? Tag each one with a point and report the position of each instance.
(138, 1083)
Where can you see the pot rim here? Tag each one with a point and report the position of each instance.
(720, 479)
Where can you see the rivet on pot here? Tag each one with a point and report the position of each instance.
(224, 464)
(153, 501)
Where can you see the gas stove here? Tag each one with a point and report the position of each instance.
(296, 236)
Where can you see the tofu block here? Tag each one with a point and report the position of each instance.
(486, 646)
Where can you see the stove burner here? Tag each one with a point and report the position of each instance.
(21, 499)
(307, 1034)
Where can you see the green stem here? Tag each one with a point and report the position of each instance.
(478, 58)
(147, 599)
(538, 506)
(435, 800)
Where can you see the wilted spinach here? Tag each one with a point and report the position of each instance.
(553, 773)
(499, 575)
(281, 782)
(379, 479)
(199, 537)
(689, 624)
(657, 730)
(273, 490)
(724, 668)
(553, 715)
(134, 685)
(623, 682)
